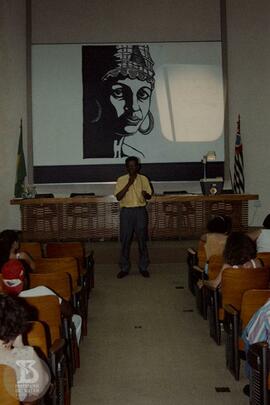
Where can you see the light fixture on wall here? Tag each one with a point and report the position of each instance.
(209, 157)
(210, 186)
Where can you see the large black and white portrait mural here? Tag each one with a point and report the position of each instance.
(95, 104)
(118, 82)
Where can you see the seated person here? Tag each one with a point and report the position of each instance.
(218, 229)
(13, 321)
(10, 249)
(262, 236)
(257, 330)
(15, 282)
(239, 252)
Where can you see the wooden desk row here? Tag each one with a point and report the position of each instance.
(97, 218)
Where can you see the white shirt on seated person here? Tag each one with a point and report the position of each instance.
(20, 354)
(42, 291)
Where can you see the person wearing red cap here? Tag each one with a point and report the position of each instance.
(13, 277)
(15, 282)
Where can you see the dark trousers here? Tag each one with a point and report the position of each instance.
(133, 220)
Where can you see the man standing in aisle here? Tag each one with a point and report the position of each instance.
(132, 191)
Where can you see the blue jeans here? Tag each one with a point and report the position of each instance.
(133, 220)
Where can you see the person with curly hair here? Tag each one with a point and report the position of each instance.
(13, 353)
(239, 252)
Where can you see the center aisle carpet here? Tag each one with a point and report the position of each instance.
(146, 343)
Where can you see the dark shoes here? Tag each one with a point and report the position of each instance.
(145, 273)
(246, 390)
(122, 274)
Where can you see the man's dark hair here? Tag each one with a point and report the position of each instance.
(4, 252)
(132, 159)
(13, 317)
(7, 238)
(220, 224)
(10, 236)
(239, 249)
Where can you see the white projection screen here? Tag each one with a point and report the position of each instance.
(94, 105)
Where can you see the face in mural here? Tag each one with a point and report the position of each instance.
(118, 83)
(131, 100)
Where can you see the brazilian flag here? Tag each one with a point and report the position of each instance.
(21, 168)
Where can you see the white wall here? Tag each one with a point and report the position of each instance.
(67, 21)
(13, 101)
(249, 94)
(248, 66)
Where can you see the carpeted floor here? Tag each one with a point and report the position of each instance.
(146, 343)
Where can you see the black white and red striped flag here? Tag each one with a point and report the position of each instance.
(238, 178)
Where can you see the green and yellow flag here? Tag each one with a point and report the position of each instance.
(21, 168)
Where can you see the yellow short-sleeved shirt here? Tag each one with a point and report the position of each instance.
(133, 197)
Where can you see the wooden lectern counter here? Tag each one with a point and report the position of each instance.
(97, 218)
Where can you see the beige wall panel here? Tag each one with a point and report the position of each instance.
(249, 94)
(69, 21)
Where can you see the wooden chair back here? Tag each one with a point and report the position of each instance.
(252, 300)
(32, 248)
(236, 281)
(61, 265)
(37, 338)
(66, 249)
(46, 309)
(201, 254)
(8, 386)
(265, 257)
(60, 283)
(215, 264)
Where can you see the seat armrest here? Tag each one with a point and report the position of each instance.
(77, 290)
(259, 345)
(89, 259)
(230, 309)
(211, 289)
(57, 346)
(56, 354)
(77, 297)
(197, 268)
(256, 352)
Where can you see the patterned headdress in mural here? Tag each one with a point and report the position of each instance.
(133, 61)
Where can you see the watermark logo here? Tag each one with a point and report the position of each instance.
(26, 384)
(28, 374)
